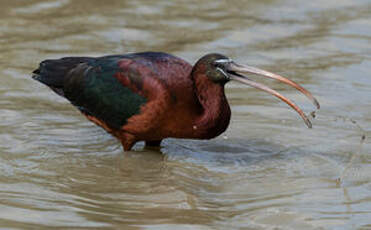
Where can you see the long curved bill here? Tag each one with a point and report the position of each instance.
(234, 71)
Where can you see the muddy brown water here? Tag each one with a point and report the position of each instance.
(267, 171)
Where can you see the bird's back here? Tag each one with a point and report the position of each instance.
(111, 90)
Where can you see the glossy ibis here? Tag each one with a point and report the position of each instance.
(151, 96)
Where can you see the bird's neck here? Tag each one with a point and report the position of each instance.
(215, 116)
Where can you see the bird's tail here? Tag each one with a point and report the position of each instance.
(53, 72)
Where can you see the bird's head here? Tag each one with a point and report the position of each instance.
(215, 66)
(221, 69)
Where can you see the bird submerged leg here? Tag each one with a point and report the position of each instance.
(128, 141)
(153, 144)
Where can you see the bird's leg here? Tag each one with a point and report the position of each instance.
(127, 141)
(152, 144)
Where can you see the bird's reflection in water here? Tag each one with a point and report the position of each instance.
(223, 152)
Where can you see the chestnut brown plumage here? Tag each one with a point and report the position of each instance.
(151, 96)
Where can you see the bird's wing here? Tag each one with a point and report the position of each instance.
(95, 89)
(121, 92)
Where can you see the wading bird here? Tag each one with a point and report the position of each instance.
(151, 96)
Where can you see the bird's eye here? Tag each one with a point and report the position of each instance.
(218, 65)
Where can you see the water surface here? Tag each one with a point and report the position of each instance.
(267, 171)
